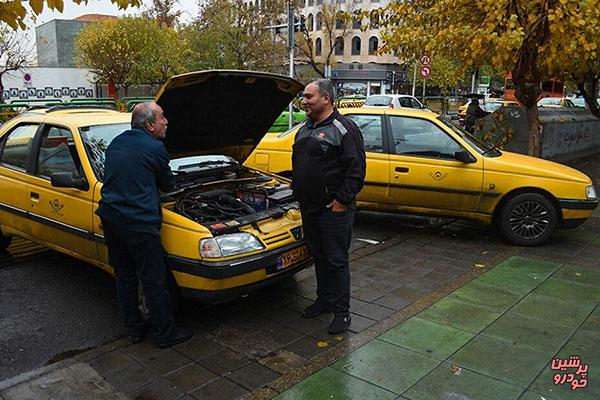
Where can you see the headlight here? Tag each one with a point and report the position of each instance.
(229, 245)
(590, 192)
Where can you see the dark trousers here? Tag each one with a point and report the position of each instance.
(139, 255)
(328, 237)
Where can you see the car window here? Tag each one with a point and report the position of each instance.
(96, 139)
(419, 137)
(58, 153)
(378, 101)
(16, 149)
(370, 126)
(405, 102)
(415, 103)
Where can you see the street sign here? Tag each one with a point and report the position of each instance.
(425, 71)
(425, 60)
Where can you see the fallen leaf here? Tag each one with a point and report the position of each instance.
(321, 344)
(479, 266)
(456, 370)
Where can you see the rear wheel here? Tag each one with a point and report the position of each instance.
(4, 241)
(528, 219)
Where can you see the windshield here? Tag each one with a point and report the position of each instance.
(96, 139)
(475, 143)
(378, 101)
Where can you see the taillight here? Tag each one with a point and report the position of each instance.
(391, 105)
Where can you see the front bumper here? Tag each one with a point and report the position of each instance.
(217, 279)
(571, 204)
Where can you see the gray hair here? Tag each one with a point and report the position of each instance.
(326, 88)
(142, 113)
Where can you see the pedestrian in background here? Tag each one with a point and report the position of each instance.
(328, 168)
(136, 166)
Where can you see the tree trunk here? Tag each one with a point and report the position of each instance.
(535, 131)
(589, 89)
(1, 90)
(527, 92)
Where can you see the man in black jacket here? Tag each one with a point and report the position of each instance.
(328, 167)
(136, 166)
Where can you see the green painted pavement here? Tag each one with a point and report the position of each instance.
(493, 339)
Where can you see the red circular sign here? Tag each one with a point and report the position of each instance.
(425, 60)
(425, 71)
(27, 77)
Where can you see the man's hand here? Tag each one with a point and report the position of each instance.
(336, 206)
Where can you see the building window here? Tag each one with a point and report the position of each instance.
(374, 23)
(339, 46)
(339, 21)
(319, 21)
(311, 3)
(356, 46)
(311, 22)
(373, 45)
(341, 1)
(318, 47)
(356, 22)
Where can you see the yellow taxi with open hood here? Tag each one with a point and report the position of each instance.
(227, 228)
(419, 162)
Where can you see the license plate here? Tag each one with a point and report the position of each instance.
(292, 257)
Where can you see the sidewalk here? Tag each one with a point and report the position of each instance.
(492, 339)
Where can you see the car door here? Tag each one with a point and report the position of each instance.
(375, 189)
(15, 152)
(61, 216)
(425, 175)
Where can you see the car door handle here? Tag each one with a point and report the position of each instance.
(401, 169)
(35, 196)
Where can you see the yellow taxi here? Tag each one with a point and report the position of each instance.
(419, 162)
(227, 228)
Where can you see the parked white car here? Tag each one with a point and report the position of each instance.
(393, 101)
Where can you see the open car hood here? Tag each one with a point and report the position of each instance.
(222, 112)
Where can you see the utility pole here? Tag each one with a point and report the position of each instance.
(291, 57)
(414, 79)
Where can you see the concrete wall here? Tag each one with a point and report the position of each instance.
(567, 133)
(54, 41)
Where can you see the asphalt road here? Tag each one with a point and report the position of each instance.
(53, 306)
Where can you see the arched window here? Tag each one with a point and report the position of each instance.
(339, 21)
(319, 21)
(311, 23)
(251, 5)
(356, 22)
(318, 46)
(356, 46)
(339, 46)
(373, 45)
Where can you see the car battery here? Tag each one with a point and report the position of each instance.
(258, 200)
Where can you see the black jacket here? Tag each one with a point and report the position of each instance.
(328, 162)
(136, 166)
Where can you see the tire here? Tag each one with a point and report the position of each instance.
(4, 241)
(528, 219)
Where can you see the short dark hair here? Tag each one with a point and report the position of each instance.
(326, 88)
(142, 113)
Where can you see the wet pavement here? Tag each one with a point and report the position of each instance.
(445, 310)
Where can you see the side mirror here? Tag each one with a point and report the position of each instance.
(464, 156)
(65, 179)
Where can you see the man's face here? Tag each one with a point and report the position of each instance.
(313, 103)
(158, 128)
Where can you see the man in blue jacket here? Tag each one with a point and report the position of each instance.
(136, 167)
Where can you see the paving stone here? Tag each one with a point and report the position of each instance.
(141, 351)
(375, 312)
(531, 395)
(514, 328)
(220, 389)
(225, 362)
(199, 348)
(385, 365)
(438, 277)
(329, 383)
(131, 378)
(253, 376)
(357, 304)
(307, 347)
(111, 362)
(166, 361)
(569, 291)
(159, 389)
(283, 361)
(409, 293)
(511, 363)
(366, 294)
(447, 381)
(360, 323)
(279, 333)
(519, 273)
(427, 338)
(424, 285)
(492, 296)
(388, 286)
(191, 377)
(393, 301)
(298, 304)
(308, 325)
(460, 314)
(545, 308)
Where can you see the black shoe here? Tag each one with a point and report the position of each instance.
(316, 309)
(339, 324)
(182, 335)
(135, 339)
